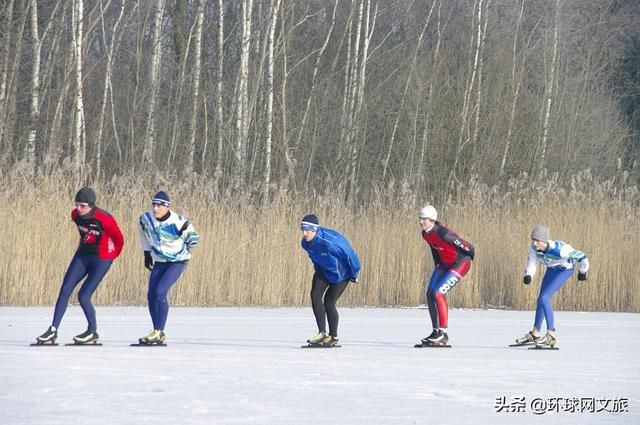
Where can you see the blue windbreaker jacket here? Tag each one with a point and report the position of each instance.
(332, 255)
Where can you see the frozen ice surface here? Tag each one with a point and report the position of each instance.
(245, 366)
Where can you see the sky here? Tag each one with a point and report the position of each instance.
(245, 366)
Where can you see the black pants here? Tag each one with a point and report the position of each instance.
(320, 288)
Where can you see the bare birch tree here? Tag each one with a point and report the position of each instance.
(30, 148)
(217, 174)
(4, 68)
(274, 11)
(80, 137)
(242, 101)
(369, 26)
(154, 83)
(550, 82)
(197, 65)
(516, 83)
(108, 88)
(465, 135)
(478, 103)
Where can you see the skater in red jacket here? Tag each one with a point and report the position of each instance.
(101, 242)
(452, 257)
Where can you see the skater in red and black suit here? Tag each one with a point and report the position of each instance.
(452, 257)
(101, 242)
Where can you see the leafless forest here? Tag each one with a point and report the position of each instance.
(507, 111)
(349, 95)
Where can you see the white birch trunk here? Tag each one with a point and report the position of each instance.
(30, 148)
(242, 113)
(79, 157)
(219, 100)
(150, 134)
(478, 105)
(197, 65)
(275, 7)
(4, 68)
(370, 23)
(549, 94)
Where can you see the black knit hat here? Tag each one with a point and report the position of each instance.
(86, 195)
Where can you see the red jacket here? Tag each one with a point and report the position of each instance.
(99, 234)
(447, 248)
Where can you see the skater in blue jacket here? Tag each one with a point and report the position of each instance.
(336, 264)
(560, 259)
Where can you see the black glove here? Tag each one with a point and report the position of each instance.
(582, 276)
(148, 261)
(527, 280)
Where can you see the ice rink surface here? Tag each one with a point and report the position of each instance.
(245, 366)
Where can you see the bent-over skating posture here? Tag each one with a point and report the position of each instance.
(101, 242)
(167, 240)
(452, 257)
(560, 259)
(336, 264)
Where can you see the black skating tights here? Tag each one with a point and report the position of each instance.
(321, 287)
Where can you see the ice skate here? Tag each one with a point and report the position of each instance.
(49, 337)
(433, 334)
(330, 341)
(86, 337)
(322, 340)
(527, 339)
(156, 337)
(317, 338)
(440, 338)
(549, 340)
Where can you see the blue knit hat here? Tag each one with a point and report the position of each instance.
(310, 222)
(161, 198)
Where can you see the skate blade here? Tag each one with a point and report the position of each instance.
(543, 347)
(320, 346)
(139, 344)
(90, 344)
(43, 344)
(432, 346)
(521, 345)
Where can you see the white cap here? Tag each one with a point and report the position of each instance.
(429, 212)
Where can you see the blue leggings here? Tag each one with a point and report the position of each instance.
(81, 265)
(551, 283)
(163, 277)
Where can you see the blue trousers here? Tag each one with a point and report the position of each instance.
(163, 277)
(552, 281)
(81, 265)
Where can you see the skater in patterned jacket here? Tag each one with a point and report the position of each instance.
(560, 259)
(452, 257)
(335, 264)
(100, 243)
(167, 240)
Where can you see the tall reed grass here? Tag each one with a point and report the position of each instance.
(250, 254)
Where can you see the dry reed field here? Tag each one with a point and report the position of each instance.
(250, 254)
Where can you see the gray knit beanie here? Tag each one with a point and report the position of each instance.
(540, 233)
